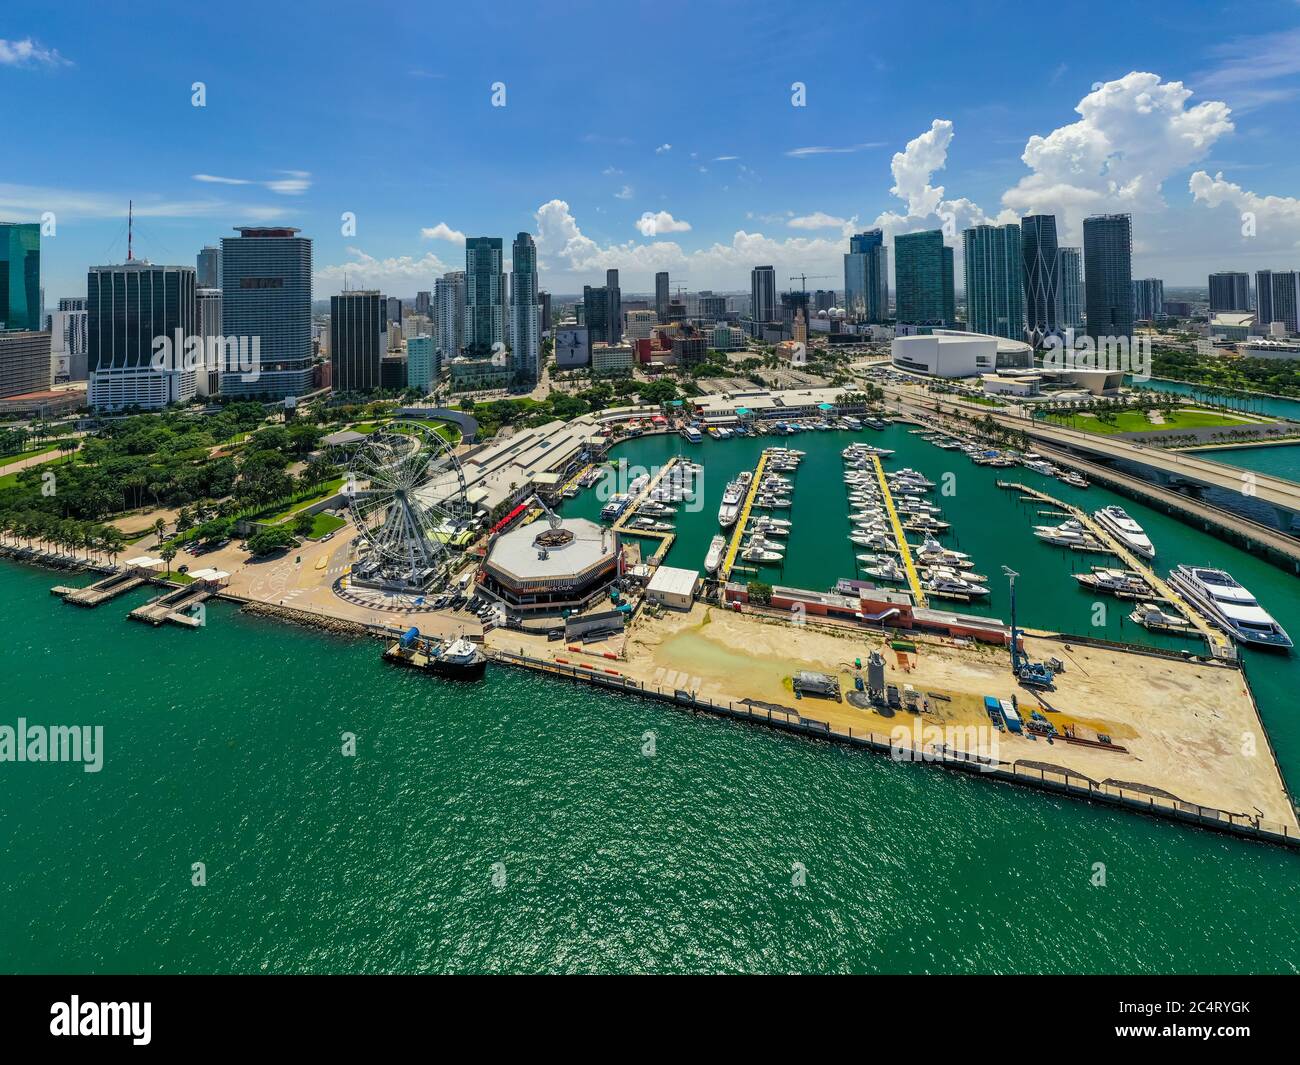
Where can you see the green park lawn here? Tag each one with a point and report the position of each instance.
(1132, 421)
(324, 523)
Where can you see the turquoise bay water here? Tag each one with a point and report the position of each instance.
(223, 746)
(1282, 460)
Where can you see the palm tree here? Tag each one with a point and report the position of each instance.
(168, 553)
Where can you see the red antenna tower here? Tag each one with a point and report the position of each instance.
(130, 221)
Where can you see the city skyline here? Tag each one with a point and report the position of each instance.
(755, 180)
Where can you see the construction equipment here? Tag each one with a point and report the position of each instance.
(1030, 674)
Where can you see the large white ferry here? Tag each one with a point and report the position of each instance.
(1116, 521)
(1230, 605)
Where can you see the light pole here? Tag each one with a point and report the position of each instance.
(1015, 634)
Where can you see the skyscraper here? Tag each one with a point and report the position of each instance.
(525, 335)
(357, 341)
(207, 306)
(596, 313)
(266, 294)
(21, 305)
(209, 268)
(449, 314)
(1229, 291)
(1108, 275)
(923, 278)
(762, 294)
(1278, 298)
(1148, 299)
(1042, 260)
(1263, 299)
(485, 291)
(72, 312)
(614, 296)
(995, 294)
(661, 297)
(423, 304)
(1069, 290)
(866, 277)
(129, 308)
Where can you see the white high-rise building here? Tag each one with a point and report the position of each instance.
(1069, 293)
(449, 315)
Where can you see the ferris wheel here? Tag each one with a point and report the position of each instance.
(406, 495)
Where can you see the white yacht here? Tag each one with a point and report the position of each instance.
(713, 559)
(732, 497)
(1069, 533)
(865, 538)
(950, 582)
(1230, 605)
(889, 570)
(1115, 520)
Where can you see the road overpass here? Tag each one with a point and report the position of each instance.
(1260, 514)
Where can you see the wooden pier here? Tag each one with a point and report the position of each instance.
(742, 519)
(904, 548)
(102, 590)
(172, 606)
(665, 538)
(1219, 643)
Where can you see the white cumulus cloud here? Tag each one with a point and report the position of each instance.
(653, 223)
(1132, 135)
(442, 231)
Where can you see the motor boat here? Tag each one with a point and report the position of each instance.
(1156, 618)
(930, 546)
(867, 538)
(712, 560)
(732, 497)
(888, 570)
(1115, 581)
(650, 525)
(1070, 477)
(1116, 521)
(948, 582)
(1229, 605)
(1070, 533)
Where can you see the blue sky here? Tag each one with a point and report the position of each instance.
(625, 124)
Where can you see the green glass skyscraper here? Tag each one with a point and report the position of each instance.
(20, 276)
(995, 293)
(923, 276)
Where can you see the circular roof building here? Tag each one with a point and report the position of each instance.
(552, 566)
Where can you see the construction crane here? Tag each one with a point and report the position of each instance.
(803, 279)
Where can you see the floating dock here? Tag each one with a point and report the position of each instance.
(904, 548)
(742, 519)
(629, 512)
(101, 591)
(172, 606)
(1219, 643)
